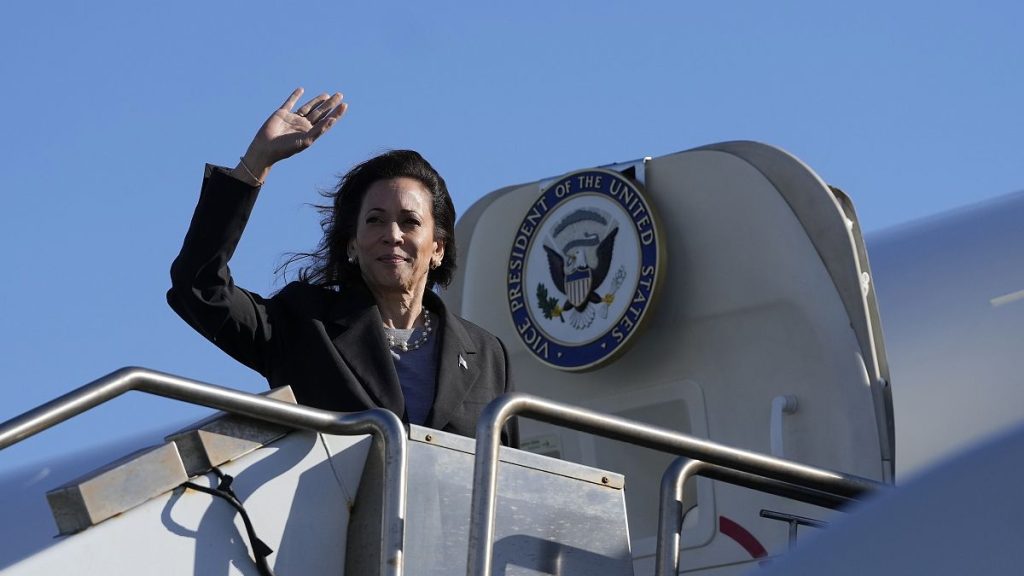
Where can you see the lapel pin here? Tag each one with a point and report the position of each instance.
(462, 363)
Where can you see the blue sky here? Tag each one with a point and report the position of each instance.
(112, 108)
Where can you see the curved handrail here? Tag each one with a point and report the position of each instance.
(378, 422)
(494, 416)
(670, 513)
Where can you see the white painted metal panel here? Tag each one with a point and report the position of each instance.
(751, 307)
(296, 501)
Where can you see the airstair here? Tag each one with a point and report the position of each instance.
(359, 493)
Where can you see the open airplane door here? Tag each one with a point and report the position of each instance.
(722, 292)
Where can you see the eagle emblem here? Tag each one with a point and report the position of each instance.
(579, 254)
(583, 267)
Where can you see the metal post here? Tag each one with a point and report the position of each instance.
(378, 422)
(794, 522)
(488, 435)
(670, 513)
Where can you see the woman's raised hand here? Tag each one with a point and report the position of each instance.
(288, 132)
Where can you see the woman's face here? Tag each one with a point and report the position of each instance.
(394, 242)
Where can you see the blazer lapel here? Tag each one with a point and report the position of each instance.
(457, 369)
(361, 343)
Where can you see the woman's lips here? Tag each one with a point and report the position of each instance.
(392, 259)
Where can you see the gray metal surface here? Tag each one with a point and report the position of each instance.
(382, 424)
(116, 488)
(880, 384)
(488, 435)
(671, 512)
(520, 458)
(823, 219)
(224, 437)
(366, 519)
(832, 227)
(555, 517)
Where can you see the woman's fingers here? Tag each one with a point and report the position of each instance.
(311, 105)
(287, 133)
(339, 107)
(328, 119)
(296, 94)
(323, 108)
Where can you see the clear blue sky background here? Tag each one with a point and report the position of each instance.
(111, 108)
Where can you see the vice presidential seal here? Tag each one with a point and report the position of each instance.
(583, 269)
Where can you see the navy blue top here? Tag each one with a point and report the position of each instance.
(417, 373)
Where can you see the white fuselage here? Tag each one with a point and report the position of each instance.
(951, 295)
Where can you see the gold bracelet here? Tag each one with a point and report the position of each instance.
(241, 160)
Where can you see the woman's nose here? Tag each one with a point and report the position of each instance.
(393, 234)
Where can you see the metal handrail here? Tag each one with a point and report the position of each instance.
(794, 522)
(378, 422)
(670, 513)
(494, 416)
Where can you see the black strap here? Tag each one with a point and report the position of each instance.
(223, 490)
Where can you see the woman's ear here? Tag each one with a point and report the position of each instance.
(351, 252)
(438, 256)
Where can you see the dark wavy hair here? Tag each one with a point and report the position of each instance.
(328, 265)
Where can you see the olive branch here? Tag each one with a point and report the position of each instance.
(548, 304)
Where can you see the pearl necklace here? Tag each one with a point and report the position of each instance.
(406, 346)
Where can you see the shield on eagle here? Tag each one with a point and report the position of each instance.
(577, 286)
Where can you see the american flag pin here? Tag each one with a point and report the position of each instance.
(462, 363)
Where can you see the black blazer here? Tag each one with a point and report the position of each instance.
(328, 346)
